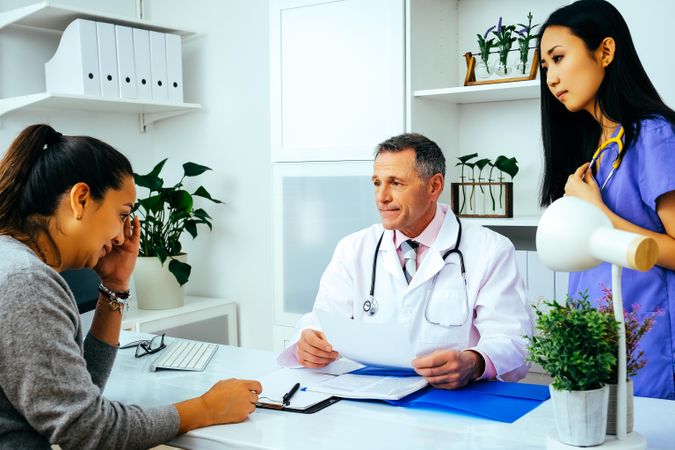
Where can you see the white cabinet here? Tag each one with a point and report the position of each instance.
(33, 33)
(337, 78)
(315, 205)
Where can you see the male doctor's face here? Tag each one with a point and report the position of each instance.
(405, 201)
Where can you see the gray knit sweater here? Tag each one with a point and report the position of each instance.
(51, 382)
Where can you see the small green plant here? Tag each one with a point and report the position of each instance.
(575, 344)
(504, 165)
(524, 37)
(166, 213)
(505, 40)
(485, 45)
(464, 162)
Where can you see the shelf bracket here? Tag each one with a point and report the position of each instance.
(146, 119)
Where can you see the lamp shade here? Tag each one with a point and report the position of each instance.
(574, 235)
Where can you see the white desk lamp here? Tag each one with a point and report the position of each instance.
(574, 235)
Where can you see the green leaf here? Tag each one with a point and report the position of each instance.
(158, 168)
(465, 158)
(199, 212)
(154, 203)
(191, 169)
(191, 227)
(160, 252)
(507, 165)
(152, 182)
(201, 192)
(180, 200)
(180, 270)
(482, 163)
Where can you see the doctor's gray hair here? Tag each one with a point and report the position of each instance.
(429, 159)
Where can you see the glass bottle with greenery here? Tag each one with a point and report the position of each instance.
(524, 37)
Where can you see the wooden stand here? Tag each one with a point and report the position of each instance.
(470, 79)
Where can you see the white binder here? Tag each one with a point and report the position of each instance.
(124, 43)
(142, 63)
(107, 59)
(174, 67)
(158, 66)
(74, 67)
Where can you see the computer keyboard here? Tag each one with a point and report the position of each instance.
(185, 355)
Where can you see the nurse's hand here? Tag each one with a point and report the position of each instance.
(450, 369)
(581, 184)
(313, 350)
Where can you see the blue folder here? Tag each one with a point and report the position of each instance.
(495, 400)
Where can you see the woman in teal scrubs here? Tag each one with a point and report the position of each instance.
(609, 139)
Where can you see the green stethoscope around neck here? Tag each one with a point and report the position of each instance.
(618, 139)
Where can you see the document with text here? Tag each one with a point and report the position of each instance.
(369, 386)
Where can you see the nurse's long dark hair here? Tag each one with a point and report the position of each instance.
(626, 95)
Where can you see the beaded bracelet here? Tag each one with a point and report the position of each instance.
(116, 299)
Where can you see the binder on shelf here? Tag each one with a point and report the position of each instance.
(142, 63)
(174, 67)
(158, 66)
(107, 59)
(74, 67)
(124, 43)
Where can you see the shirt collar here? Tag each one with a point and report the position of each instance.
(428, 236)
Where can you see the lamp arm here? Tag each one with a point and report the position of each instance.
(617, 301)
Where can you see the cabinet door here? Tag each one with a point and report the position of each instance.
(315, 205)
(337, 78)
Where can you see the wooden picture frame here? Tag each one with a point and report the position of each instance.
(470, 79)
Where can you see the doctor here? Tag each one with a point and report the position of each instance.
(463, 328)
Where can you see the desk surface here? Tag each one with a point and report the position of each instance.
(346, 424)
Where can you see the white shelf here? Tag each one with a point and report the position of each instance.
(150, 111)
(56, 17)
(519, 90)
(521, 221)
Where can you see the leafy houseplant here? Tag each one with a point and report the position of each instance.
(485, 45)
(575, 344)
(166, 213)
(504, 165)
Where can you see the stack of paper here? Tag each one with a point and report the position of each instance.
(370, 386)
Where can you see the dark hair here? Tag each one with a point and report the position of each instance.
(429, 159)
(626, 95)
(41, 165)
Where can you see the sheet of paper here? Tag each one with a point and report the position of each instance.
(339, 367)
(279, 382)
(372, 344)
(370, 386)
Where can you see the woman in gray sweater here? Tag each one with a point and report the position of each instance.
(65, 202)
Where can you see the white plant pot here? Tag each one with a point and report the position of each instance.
(580, 416)
(156, 287)
(611, 411)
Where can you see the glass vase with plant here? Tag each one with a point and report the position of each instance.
(504, 42)
(485, 45)
(504, 165)
(524, 37)
(464, 162)
(167, 212)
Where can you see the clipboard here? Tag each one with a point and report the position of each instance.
(310, 410)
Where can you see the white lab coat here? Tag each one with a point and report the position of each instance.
(498, 316)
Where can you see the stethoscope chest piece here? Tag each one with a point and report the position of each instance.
(370, 306)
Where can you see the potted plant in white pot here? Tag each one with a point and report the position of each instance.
(575, 346)
(165, 214)
(637, 324)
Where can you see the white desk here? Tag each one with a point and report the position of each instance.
(346, 424)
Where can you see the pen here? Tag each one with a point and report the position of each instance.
(287, 397)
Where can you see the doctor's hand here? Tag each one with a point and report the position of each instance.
(313, 350)
(450, 369)
(581, 184)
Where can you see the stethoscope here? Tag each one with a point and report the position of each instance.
(618, 139)
(370, 306)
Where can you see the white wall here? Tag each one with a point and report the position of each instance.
(226, 70)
